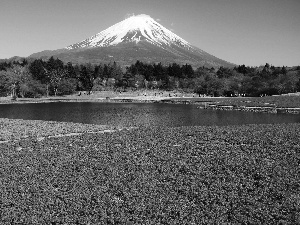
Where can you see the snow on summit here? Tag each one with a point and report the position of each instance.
(133, 29)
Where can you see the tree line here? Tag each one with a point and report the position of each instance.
(52, 77)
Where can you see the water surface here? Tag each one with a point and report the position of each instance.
(138, 114)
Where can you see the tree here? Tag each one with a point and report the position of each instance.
(298, 85)
(224, 72)
(54, 64)
(289, 81)
(139, 81)
(55, 77)
(67, 86)
(87, 76)
(283, 70)
(38, 69)
(53, 72)
(106, 71)
(23, 76)
(215, 86)
(12, 78)
(160, 73)
(202, 71)
(128, 80)
(232, 85)
(187, 71)
(200, 86)
(32, 89)
(70, 71)
(116, 71)
(175, 70)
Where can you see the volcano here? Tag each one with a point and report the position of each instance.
(135, 38)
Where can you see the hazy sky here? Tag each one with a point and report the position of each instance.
(250, 32)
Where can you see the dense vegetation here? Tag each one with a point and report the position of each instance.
(39, 77)
(187, 175)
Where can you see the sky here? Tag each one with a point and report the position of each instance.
(250, 32)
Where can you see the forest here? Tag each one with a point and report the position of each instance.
(34, 78)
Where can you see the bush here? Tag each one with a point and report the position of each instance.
(33, 89)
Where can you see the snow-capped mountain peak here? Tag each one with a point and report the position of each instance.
(133, 29)
(135, 38)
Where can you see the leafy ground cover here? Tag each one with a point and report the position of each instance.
(19, 129)
(187, 175)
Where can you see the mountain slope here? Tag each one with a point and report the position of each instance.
(136, 38)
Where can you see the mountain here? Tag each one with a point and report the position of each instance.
(135, 38)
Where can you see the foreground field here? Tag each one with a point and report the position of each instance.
(187, 175)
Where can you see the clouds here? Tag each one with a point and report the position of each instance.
(158, 20)
(172, 29)
(129, 15)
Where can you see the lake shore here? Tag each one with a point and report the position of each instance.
(103, 96)
(183, 175)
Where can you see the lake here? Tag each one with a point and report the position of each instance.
(138, 114)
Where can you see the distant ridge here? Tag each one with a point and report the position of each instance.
(135, 38)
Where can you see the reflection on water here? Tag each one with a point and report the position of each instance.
(138, 114)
